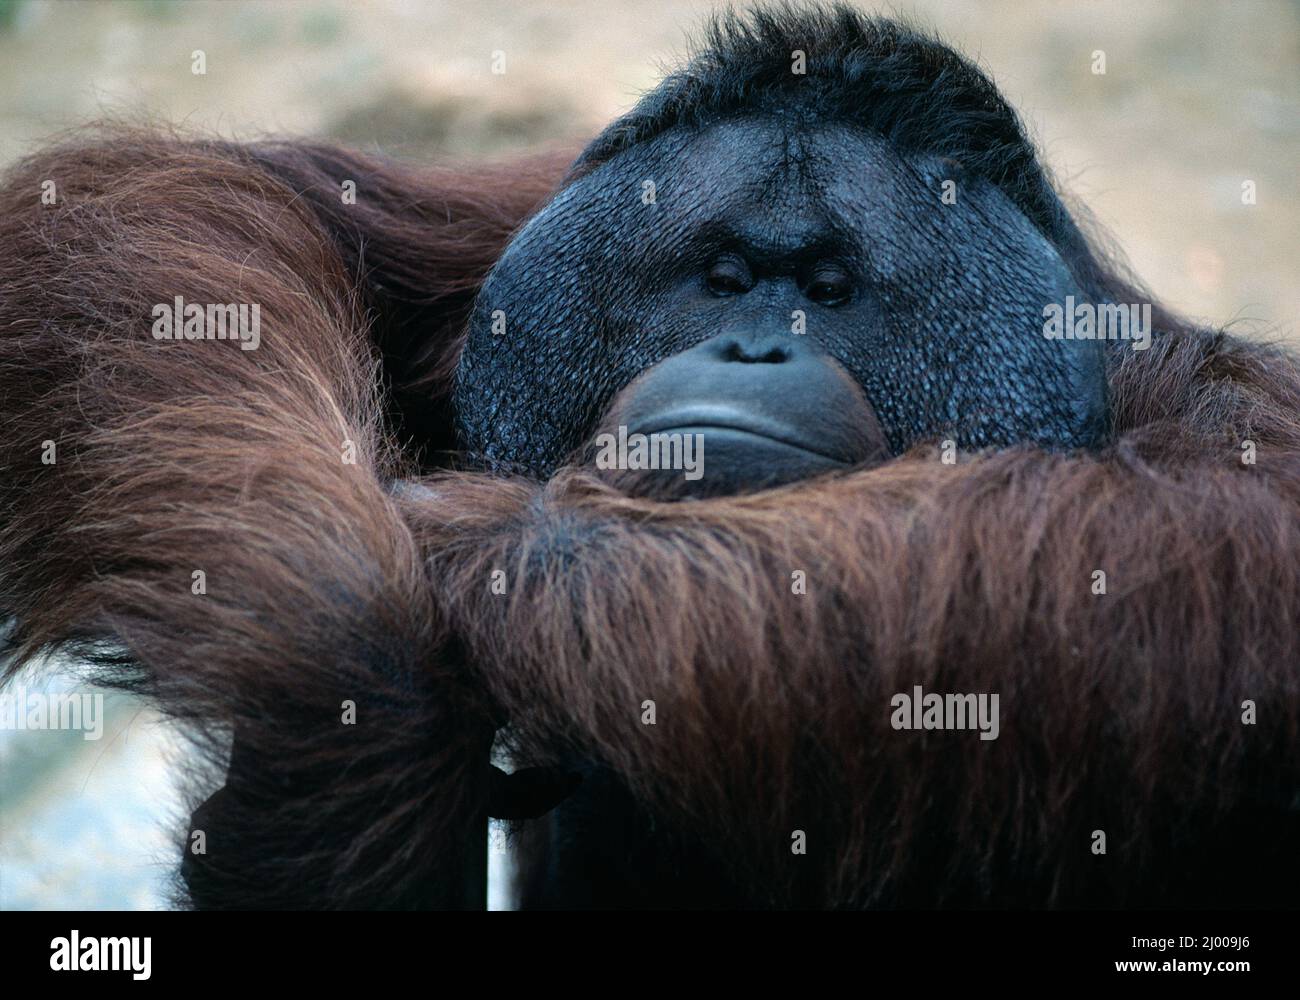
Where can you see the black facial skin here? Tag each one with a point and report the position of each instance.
(933, 310)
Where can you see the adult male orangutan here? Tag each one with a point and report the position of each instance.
(818, 264)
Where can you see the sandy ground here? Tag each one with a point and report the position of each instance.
(1197, 98)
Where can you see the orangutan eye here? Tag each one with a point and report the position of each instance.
(730, 276)
(829, 286)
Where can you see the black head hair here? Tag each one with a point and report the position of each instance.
(890, 78)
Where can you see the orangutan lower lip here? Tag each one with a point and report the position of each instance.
(724, 435)
(721, 421)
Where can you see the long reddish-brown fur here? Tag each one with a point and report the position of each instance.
(1121, 712)
(177, 456)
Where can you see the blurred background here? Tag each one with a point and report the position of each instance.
(1197, 98)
